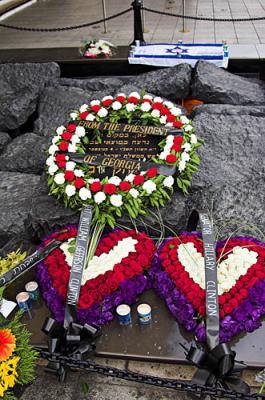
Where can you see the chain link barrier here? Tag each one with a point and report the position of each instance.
(67, 28)
(203, 18)
(178, 385)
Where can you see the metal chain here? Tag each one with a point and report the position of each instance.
(203, 18)
(175, 384)
(66, 28)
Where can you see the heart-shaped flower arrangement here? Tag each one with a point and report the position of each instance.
(115, 275)
(178, 276)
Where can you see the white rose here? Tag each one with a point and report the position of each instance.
(80, 131)
(95, 103)
(145, 107)
(175, 111)
(91, 180)
(116, 105)
(73, 115)
(75, 139)
(185, 156)
(170, 124)
(67, 158)
(167, 147)
(130, 178)
(184, 119)
(186, 147)
(182, 165)
(158, 100)
(134, 193)
(72, 148)
(90, 117)
(115, 180)
(79, 173)
(163, 119)
(59, 178)
(134, 94)
(84, 193)
(155, 113)
(147, 97)
(99, 197)
(83, 108)
(70, 165)
(168, 104)
(50, 160)
(55, 139)
(116, 200)
(193, 138)
(121, 94)
(107, 98)
(188, 128)
(130, 107)
(170, 139)
(103, 112)
(168, 181)
(60, 130)
(53, 148)
(52, 169)
(70, 190)
(149, 187)
(163, 155)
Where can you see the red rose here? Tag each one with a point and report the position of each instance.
(138, 179)
(120, 98)
(69, 176)
(176, 147)
(146, 101)
(61, 164)
(60, 157)
(171, 118)
(79, 183)
(125, 186)
(96, 108)
(67, 136)
(63, 146)
(71, 128)
(107, 103)
(221, 300)
(227, 308)
(152, 172)
(109, 188)
(133, 99)
(83, 115)
(95, 186)
(177, 124)
(164, 111)
(171, 158)
(86, 300)
(157, 106)
(178, 140)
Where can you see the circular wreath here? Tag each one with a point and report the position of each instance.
(112, 196)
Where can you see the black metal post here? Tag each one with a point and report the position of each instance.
(138, 27)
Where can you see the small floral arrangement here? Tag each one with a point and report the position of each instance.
(115, 274)
(178, 276)
(17, 357)
(11, 260)
(112, 196)
(94, 49)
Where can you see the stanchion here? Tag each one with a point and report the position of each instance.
(104, 15)
(183, 17)
(138, 27)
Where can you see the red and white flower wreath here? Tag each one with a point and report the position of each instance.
(112, 196)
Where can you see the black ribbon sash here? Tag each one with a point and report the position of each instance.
(28, 263)
(216, 361)
(72, 339)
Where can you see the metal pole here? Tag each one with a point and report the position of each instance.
(183, 14)
(104, 15)
(138, 27)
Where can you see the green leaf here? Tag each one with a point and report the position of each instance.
(85, 387)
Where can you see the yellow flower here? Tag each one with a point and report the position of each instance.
(8, 374)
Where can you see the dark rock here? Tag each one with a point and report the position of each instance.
(4, 140)
(20, 86)
(227, 109)
(215, 85)
(16, 192)
(55, 106)
(47, 213)
(26, 153)
(171, 83)
(97, 84)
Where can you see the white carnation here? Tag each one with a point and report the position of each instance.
(121, 94)
(107, 98)
(79, 173)
(130, 107)
(163, 119)
(55, 139)
(182, 165)
(99, 197)
(193, 138)
(155, 113)
(185, 156)
(149, 186)
(186, 147)
(134, 94)
(84, 194)
(95, 103)
(116, 200)
(70, 190)
(115, 180)
(52, 169)
(134, 193)
(147, 97)
(50, 160)
(145, 107)
(73, 116)
(168, 181)
(163, 155)
(170, 139)
(188, 128)
(60, 130)
(184, 119)
(70, 165)
(116, 105)
(90, 117)
(168, 104)
(53, 148)
(176, 111)
(80, 131)
(83, 108)
(170, 124)
(158, 100)
(103, 112)
(130, 178)
(72, 148)
(75, 139)
(59, 178)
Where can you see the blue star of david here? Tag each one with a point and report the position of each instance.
(177, 50)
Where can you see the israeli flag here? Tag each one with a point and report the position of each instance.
(169, 55)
